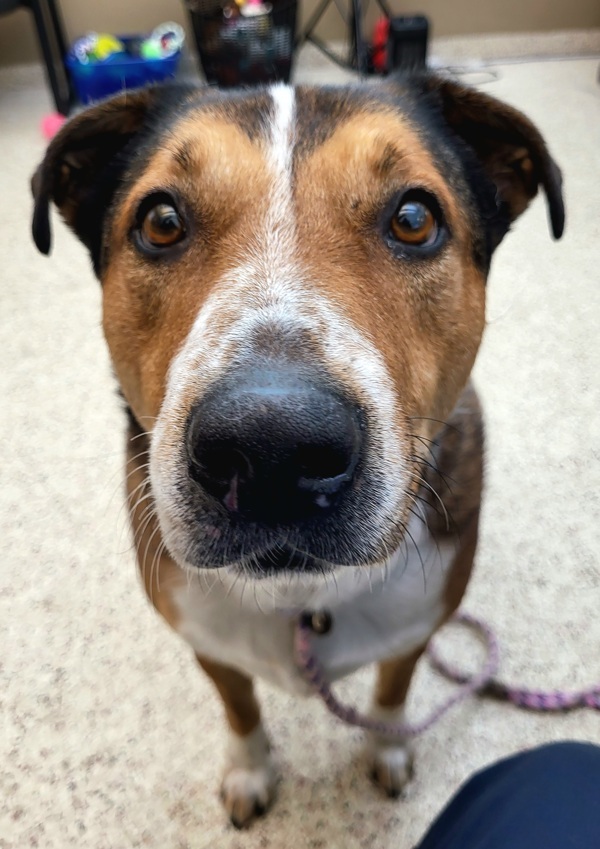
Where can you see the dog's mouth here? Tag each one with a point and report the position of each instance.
(282, 560)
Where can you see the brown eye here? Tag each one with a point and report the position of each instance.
(162, 226)
(414, 224)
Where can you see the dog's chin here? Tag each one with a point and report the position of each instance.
(282, 562)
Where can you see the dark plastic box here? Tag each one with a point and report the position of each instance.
(100, 79)
(407, 43)
(239, 51)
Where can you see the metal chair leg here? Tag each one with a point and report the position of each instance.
(52, 43)
(57, 26)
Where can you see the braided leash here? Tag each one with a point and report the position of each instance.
(483, 682)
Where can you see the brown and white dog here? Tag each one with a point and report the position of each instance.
(294, 285)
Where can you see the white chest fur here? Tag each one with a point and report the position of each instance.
(377, 613)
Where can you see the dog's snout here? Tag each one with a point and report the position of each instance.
(274, 445)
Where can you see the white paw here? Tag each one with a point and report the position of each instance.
(249, 782)
(390, 759)
(392, 769)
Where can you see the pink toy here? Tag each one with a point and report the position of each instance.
(51, 124)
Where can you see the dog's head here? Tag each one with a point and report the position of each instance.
(293, 285)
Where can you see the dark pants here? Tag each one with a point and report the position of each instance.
(546, 798)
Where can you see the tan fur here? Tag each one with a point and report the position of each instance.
(426, 321)
(237, 692)
(393, 679)
(146, 316)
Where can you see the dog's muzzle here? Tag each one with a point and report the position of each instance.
(277, 446)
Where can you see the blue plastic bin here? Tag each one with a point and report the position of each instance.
(97, 80)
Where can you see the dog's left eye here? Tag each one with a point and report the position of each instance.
(413, 223)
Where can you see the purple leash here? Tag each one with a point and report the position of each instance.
(483, 682)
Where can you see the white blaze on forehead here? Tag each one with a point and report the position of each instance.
(282, 128)
(276, 252)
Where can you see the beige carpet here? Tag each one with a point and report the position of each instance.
(111, 737)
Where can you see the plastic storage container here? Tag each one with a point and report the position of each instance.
(244, 45)
(96, 80)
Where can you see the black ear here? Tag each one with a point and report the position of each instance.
(83, 165)
(508, 146)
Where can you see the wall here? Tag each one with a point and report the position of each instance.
(449, 17)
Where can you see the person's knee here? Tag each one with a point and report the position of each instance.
(565, 754)
(540, 797)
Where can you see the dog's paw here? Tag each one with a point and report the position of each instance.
(391, 768)
(390, 760)
(247, 793)
(248, 787)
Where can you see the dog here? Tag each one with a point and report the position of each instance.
(293, 299)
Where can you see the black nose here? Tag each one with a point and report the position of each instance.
(274, 445)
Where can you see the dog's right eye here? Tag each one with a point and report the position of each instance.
(159, 225)
(162, 226)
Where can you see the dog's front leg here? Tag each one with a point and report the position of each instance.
(249, 782)
(390, 758)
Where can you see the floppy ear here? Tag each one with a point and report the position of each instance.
(509, 147)
(83, 166)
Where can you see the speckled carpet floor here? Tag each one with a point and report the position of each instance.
(111, 738)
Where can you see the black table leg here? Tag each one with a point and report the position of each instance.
(52, 43)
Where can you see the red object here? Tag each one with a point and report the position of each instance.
(51, 124)
(380, 39)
